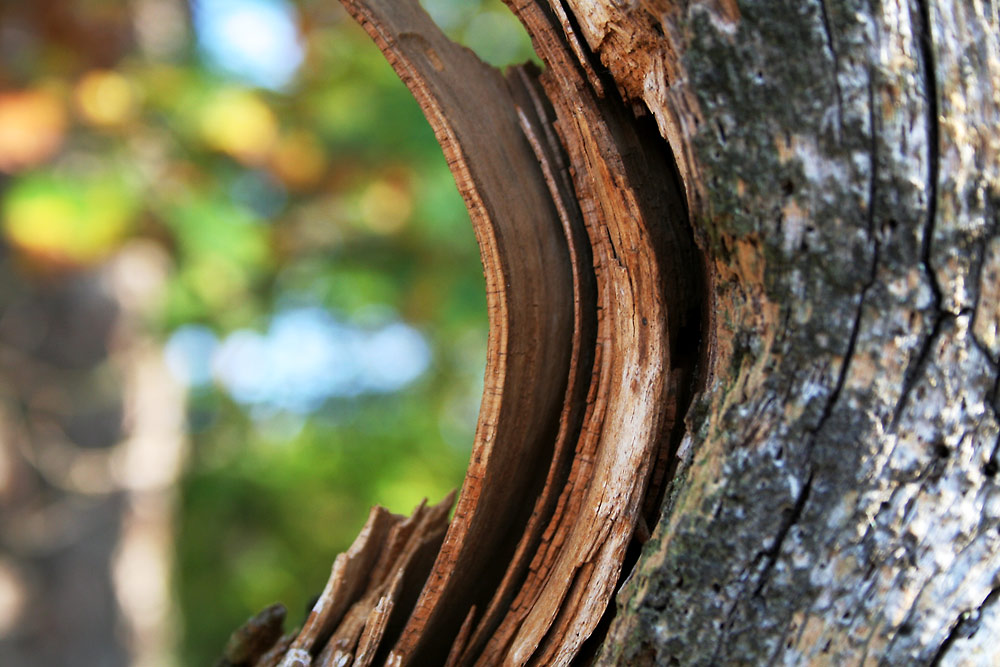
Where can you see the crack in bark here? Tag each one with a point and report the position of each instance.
(976, 282)
(907, 517)
(727, 625)
(771, 555)
(933, 148)
(916, 368)
(595, 73)
(965, 626)
(774, 552)
(873, 271)
(872, 123)
(992, 463)
(828, 31)
(925, 38)
(993, 397)
(907, 622)
(852, 343)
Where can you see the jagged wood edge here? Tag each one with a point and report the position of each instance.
(530, 298)
(595, 531)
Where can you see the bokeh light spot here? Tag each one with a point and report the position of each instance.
(306, 357)
(255, 41)
(105, 98)
(32, 126)
(74, 222)
(299, 160)
(386, 206)
(188, 354)
(239, 123)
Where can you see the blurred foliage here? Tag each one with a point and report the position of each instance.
(328, 190)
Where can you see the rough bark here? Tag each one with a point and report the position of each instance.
(819, 180)
(839, 501)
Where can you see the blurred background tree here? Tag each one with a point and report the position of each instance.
(240, 302)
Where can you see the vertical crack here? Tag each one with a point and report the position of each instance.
(933, 149)
(852, 340)
(965, 626)
(917, 366)
(831, 44)
(771, 558)
(772, 554)
(852, 343)
(923, 27)
(980, 260)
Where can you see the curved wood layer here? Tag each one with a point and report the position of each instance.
(530, 297)
(587, 257)
(643, 256)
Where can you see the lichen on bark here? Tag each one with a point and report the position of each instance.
(839, 500)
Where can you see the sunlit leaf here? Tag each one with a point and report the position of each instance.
(76, 221)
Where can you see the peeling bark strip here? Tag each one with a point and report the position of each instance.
(836, 499)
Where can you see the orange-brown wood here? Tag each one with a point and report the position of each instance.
(347, 582)
(634, 233)
(582, 253)
(470, 107)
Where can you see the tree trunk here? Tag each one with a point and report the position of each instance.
(839, 502)
(772, 336)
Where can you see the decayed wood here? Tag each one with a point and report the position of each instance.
(561, 578)
(250, 643)
(583, 255)
(378, 621)
(346, 583)
(357, 617)
(528, 360)
(273, 656)
(534, 112)
(643, 264)
(782, 323)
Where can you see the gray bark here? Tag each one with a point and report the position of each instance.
(838, 498)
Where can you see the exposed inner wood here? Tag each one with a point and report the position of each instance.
(592, 287)
(521, 239)
(643, 262)
(535, 115)
(839, 494)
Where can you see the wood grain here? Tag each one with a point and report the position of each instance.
(828, 351)
(587, 256)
